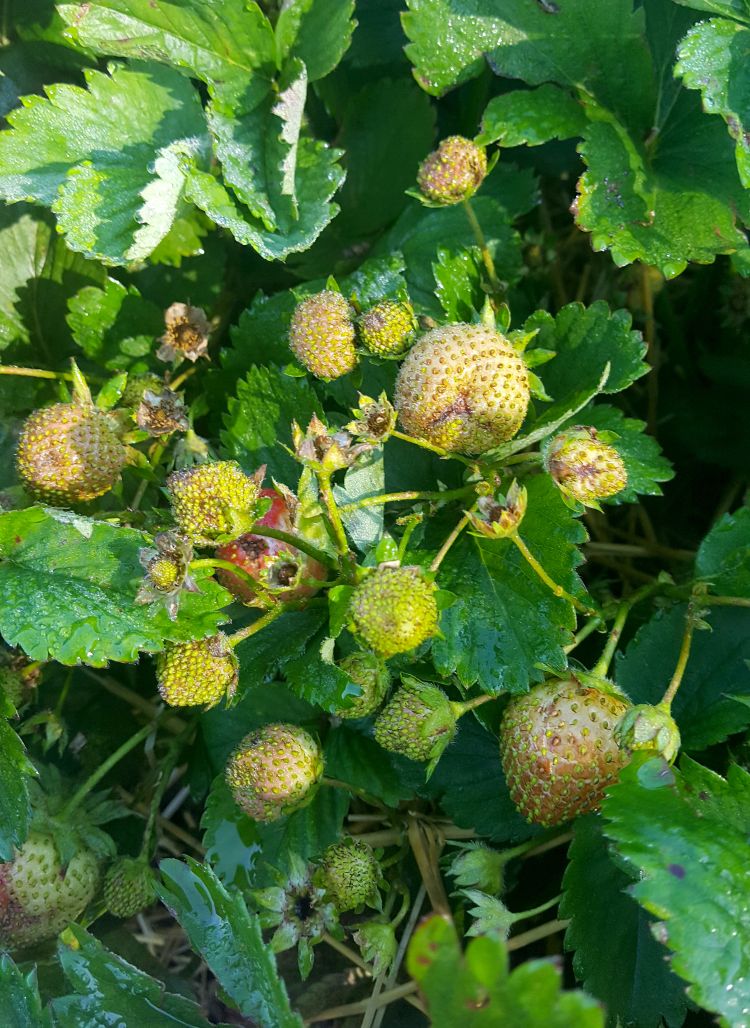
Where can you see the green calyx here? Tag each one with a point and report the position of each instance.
(649, 728)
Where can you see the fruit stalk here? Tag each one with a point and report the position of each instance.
(549, 582)
(9, 369)
(443, 551)
(293, 540)
(395, 434)
(623, 612)
(383, 498)
(334, 517)
(682, 660)
(257, 626)
(495, 283)
(165, 776)
(104, 768)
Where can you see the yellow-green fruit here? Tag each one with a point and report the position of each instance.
(350, 874)
(453, 172)
(199, 672)
(69, 453)
(394, 610)
(584, 467)
(128, 887)
(163, 573)
(418, 722)
(275, 771)
(462, 387)
(213, 499)
(371, 675)
(321, 335)
(386, 329)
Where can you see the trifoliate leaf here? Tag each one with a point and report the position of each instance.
(532, 117)
(70, 582)
(616, 957)
(317, 31)
(115, 326)
(237, 955)
(723, 558)
(683, 835)
(66, 152)
(705, 708)
(506, 621)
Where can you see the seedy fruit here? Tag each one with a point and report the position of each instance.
(371, 675)
(199, 672)
(275, 771)
(128, 887)
(558, 749)
(386, 329)
(394, 610)
(69, 453)
(350, 874)
(453, 172)
(462, 387)
(212, 499)
(321, 335)
(584, 467)
(283, 572)
(39, 896)
(419, 721)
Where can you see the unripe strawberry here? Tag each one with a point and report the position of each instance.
(13, 684)
(128, 887)
(199, 672)
(275, 771)
(321, 335)
(214, 499)
(649, 728)
(558, 749)
(393, 610)
(70, 453)
(371, 675)
(462, 387)
(137, 385)
(584, 467)
(39, 896)
(419, 721)
(453, 172)
(386, 329)
(350, 874)
(275, 565)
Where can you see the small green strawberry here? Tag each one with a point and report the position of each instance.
(419, 721)
(453, 172)
(215, 499)
(350, 875)
(137, 385)
(559, 751)
(197, 673)
(321, 335)
(387, 328)
(275, 771)
(584, 467)
(393, 610)
(128, 887)
(70, 453)
(371, 675)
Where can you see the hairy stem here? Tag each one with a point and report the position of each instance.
(103, 769)
(682, 660)
(334, 517)
(383, 498)
(298, 542)
(549, 582)
(425, 445)
(495, 284)
(443, 551)
(257, 626)
(623, 612)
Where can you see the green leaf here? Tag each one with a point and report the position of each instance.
(358, 760)
(616, 956)
(19, 996)
(476, 988)
(506, 621)
(69, 586)
(258, 420)
(585, 340)
(683, 834)
(229, 46)
(531, 117)
(111, 991)
(232, 840)
(15, 806)
(459, 283)
(470, 786)
(739, 9)
(724, 555)
(318, 32)
(115, 326)
(714, 58)
(260, 336)
(318, 682)
(66, 152)
(704, 708)
(230, 941)
(645, 463)
(365, 478)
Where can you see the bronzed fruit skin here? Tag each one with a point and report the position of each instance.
(198, 672)
(558, 750)
(274, 771)
(321, 335)
(453, 172)
(394, 610)
(584, 467)
(69, 453)
(204, 497)
(254, 553)
(463, 388)
(387, 328)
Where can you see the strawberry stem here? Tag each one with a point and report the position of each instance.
(496, 285)
(298, 542)
(256, 626)
(383, 498)
(8, 369)
(549, 582)
(165, 776)
(431, 447)
(334, 517)
(623, 612)
(691, 619)
(105, 768)
(443, 551)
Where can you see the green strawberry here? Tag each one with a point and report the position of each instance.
(321, 335)
(394, 610)
(214, 499)
(387, 328)
(371, 675)
(202, 671)
(584, 467)
(350, 874)
(418, 722)
(453, 172)
(558, 749)
(128, 887)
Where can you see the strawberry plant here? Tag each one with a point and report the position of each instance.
(374, 529)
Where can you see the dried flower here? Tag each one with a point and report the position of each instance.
(186, 335)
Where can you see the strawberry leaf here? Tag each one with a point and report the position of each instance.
(723, 558)
(15, 809)
(532, 116)
(318, 32)
(19, 995)
(115, 326)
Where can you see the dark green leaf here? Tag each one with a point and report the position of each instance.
(230, 940)
(232, 840)
(20, 999)
(684, 836)
(616, 957)
(532, 117)
(318, 32)
(739, 9)
(69, 584)
(724, 555)
(459, 283)
(15, 808)
(358, 760)
(317, 681)
(115, 326)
